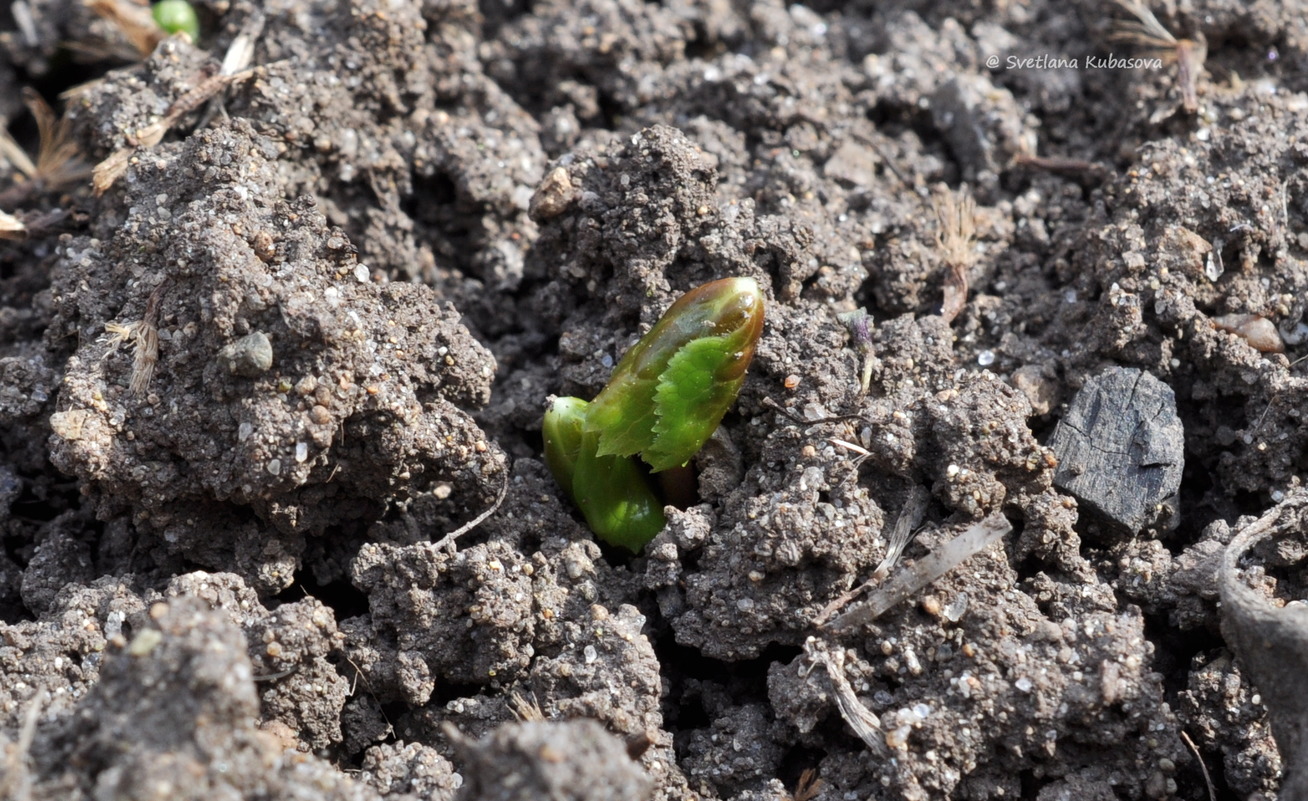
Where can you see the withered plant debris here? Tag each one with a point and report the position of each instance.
(143, 336)
(808, 786)
(863, 721)
(107, 172)
(901, 534)
(134, 21)
(11, 227)
(1148, 34)
(57, 163)
(955, 236)
(917, 575)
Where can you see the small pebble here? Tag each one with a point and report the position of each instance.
(249, 356)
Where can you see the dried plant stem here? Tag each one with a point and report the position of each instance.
(1208, 780)
(918, 575)
(11, 227)
(901, 533)
(107, 172)
(524, 708)
(451, 540)
(133, 20)
(862, 720)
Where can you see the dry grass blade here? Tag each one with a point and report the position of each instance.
(955, 236)
(57, 162)
(901, 534)
(1146, 31)
(143, 335)
(524, 708)
(862, 720)
(15, 154)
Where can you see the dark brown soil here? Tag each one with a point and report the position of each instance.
(307, 328)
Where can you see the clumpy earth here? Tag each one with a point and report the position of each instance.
(274, 521)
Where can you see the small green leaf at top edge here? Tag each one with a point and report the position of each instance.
(177, 16)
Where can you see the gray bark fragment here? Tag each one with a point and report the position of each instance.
(1120, 450)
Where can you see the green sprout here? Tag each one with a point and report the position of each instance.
(177, 16)
(662, 403)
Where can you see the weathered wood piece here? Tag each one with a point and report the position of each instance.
(1120, 451)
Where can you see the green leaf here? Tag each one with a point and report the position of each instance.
(623, 416)
(690, 401)
(177, 16)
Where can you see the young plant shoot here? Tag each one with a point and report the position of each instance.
(662, 403)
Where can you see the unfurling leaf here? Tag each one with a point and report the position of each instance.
(667, 395)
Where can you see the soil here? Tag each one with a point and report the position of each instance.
(274, 517)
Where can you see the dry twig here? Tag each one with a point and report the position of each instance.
(1208, 780)
(451, 540)
(1074, 168)
(107, 172)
